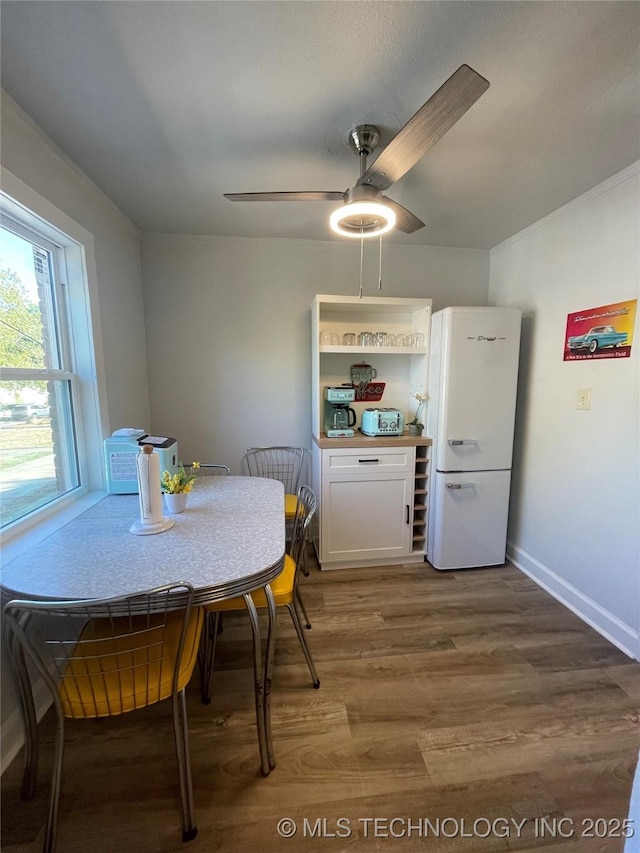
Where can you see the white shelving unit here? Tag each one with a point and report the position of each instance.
(404, 370)
(373, 491)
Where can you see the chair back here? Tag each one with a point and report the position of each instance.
(209, 469)
(306, 507)
(276, 463)
(109, 656)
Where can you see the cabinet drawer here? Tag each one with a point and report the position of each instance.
(347, 460)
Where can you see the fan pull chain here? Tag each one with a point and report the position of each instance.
(361, 260)
(380, 266)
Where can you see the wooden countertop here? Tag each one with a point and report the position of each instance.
(360, 440)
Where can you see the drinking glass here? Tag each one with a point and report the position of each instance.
(390, 340)
(325, 339)
(335, 339)
(365, 339)
(349, 339)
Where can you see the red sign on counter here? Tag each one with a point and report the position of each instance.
(369, 392)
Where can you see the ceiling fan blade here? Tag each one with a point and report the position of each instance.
(405, 220)
(426, 127)
(294, 196)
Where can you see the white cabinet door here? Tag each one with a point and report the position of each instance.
(366, 518)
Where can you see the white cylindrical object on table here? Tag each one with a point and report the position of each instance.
(149, 488)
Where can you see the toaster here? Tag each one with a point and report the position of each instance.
(382, 422)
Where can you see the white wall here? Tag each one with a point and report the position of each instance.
(574, 511)
(33, 158)
(229, 322)
(38, 170)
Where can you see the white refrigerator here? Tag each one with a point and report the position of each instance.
(473, 377)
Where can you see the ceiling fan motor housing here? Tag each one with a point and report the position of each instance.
(364, 139)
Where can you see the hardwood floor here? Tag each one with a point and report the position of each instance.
(470, 706)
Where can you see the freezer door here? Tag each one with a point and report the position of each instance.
(477, 390)
(468, 524)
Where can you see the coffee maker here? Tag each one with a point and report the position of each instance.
(339, 417)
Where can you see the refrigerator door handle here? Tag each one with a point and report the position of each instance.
(461, 485)
(456, 442)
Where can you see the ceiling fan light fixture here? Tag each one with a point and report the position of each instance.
(363, 219)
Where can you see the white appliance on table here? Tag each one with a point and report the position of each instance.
(121, 451)
(473, 380)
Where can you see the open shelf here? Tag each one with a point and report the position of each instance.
(420, 501)
(375, 350)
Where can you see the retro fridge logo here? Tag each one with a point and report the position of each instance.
(605, 332)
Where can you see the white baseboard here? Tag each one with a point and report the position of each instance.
(12, 732)
(613, 629)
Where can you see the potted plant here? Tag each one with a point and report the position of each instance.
(177, 486)
(416, 426)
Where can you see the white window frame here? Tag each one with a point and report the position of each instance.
(25, 207)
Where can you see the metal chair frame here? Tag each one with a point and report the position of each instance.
(284, 463)
(306, 507)
(209, 469)
(278, 462)
(83, 650)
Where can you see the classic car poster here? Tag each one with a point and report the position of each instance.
(604, 332)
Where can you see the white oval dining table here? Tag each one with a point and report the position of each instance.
(229, 542)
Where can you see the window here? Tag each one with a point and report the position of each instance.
(47, 369)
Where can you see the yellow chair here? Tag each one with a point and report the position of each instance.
(107, 657)
(285, 464)
(278, 463)
(285, 592)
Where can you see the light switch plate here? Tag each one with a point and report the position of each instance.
(584, 399)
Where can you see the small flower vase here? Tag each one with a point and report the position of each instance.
(414, 429)
(175, 503)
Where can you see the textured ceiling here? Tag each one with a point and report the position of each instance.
(167, 105)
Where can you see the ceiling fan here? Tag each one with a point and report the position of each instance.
(366, 212)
